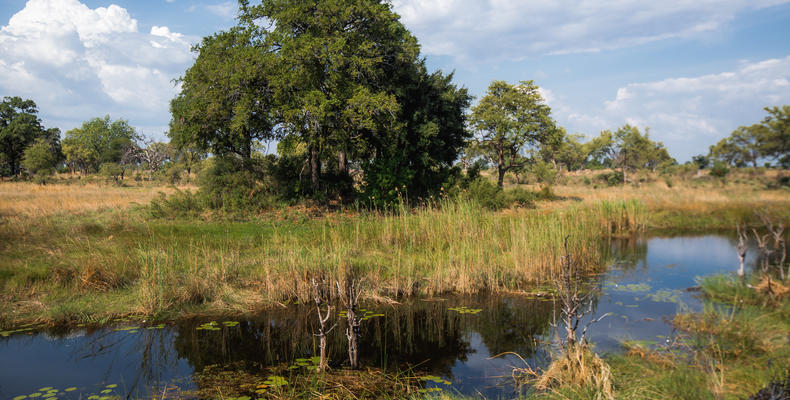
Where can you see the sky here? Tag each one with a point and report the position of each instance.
(691, 71)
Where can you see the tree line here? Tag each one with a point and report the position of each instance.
(342, 90)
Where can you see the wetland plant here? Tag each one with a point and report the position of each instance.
(577, 365)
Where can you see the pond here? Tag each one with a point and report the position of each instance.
(452, 338)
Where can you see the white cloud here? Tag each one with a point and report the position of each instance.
(497, 30)
(226, 10)
(689, 113)
(78, 63)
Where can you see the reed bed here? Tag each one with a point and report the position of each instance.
(239, 267)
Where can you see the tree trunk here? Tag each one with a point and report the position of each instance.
(352, 334)
(315, 167)
(625, 179)
(342, 165)
(501, 169)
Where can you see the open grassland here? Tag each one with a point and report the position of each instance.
(32, 200)
(87, 263)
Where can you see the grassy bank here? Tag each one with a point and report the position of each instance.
(91, 267)
(87, 263)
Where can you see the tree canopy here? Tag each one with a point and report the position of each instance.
(96, 142)
(769, 139)
(509, 119)
(339, 83)
(19, 128)
(225, 103)
(628, 149)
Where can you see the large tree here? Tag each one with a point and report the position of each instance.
(97, 141)
(19, 128)
(334, 59)
(226, 103)
(509, 120)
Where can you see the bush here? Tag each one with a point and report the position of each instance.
(229, 186)
(487, 194)
(613, 178)
(719, 169)
(178, 205)
(520, 197)
(112, 171)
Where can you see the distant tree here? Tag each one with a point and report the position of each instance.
(746, 145)
(19, 128)
(226, 102)
(39, 158)
(568, 151)
(509, 120)
(701, 161)
(96, 142)
(719, 169)
(628, 149)
(777, 134)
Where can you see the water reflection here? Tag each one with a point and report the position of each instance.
(646, 284)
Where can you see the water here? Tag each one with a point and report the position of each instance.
(644, 288)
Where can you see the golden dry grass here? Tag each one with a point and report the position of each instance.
(33, 200)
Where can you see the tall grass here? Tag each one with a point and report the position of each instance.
(454, 246)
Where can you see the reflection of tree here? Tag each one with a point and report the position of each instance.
(152, 349)
(513, 324)
(629, 253)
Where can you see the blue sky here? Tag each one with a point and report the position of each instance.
(691, 71)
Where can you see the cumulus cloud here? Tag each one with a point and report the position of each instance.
(689, 113)
(78, 63)
(513, 29)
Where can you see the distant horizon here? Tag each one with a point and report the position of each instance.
(692, 73)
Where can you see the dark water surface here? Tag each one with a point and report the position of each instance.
(647, 284)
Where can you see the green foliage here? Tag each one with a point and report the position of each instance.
(20, 128)
(510, 120)
(40, 158)
(231, 185)
(226, 103)
(612, 178)
(96, 142)
(719, 169)
(111, 170)
(545, 173)
(486, 194)
(628, 149)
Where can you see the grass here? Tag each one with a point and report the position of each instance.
(22, 199)
(55, 266)
(50, 267)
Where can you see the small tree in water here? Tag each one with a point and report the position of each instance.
(350, 291)
(577, 365)
(319, 297)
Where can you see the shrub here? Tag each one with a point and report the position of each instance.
(520, 197)
(613, 178)
(719, 169)
(486, 193)
(112, 171)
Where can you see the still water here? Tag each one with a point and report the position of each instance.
(450, 337)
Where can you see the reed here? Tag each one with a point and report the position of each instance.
(239, 267)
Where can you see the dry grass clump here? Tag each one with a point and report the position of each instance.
(578, 367)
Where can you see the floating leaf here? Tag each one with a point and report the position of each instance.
(20, 397)
(35, 395)
(105, 391)
(631, 287)
(112, 386)
(71, 389)
(45, 389)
